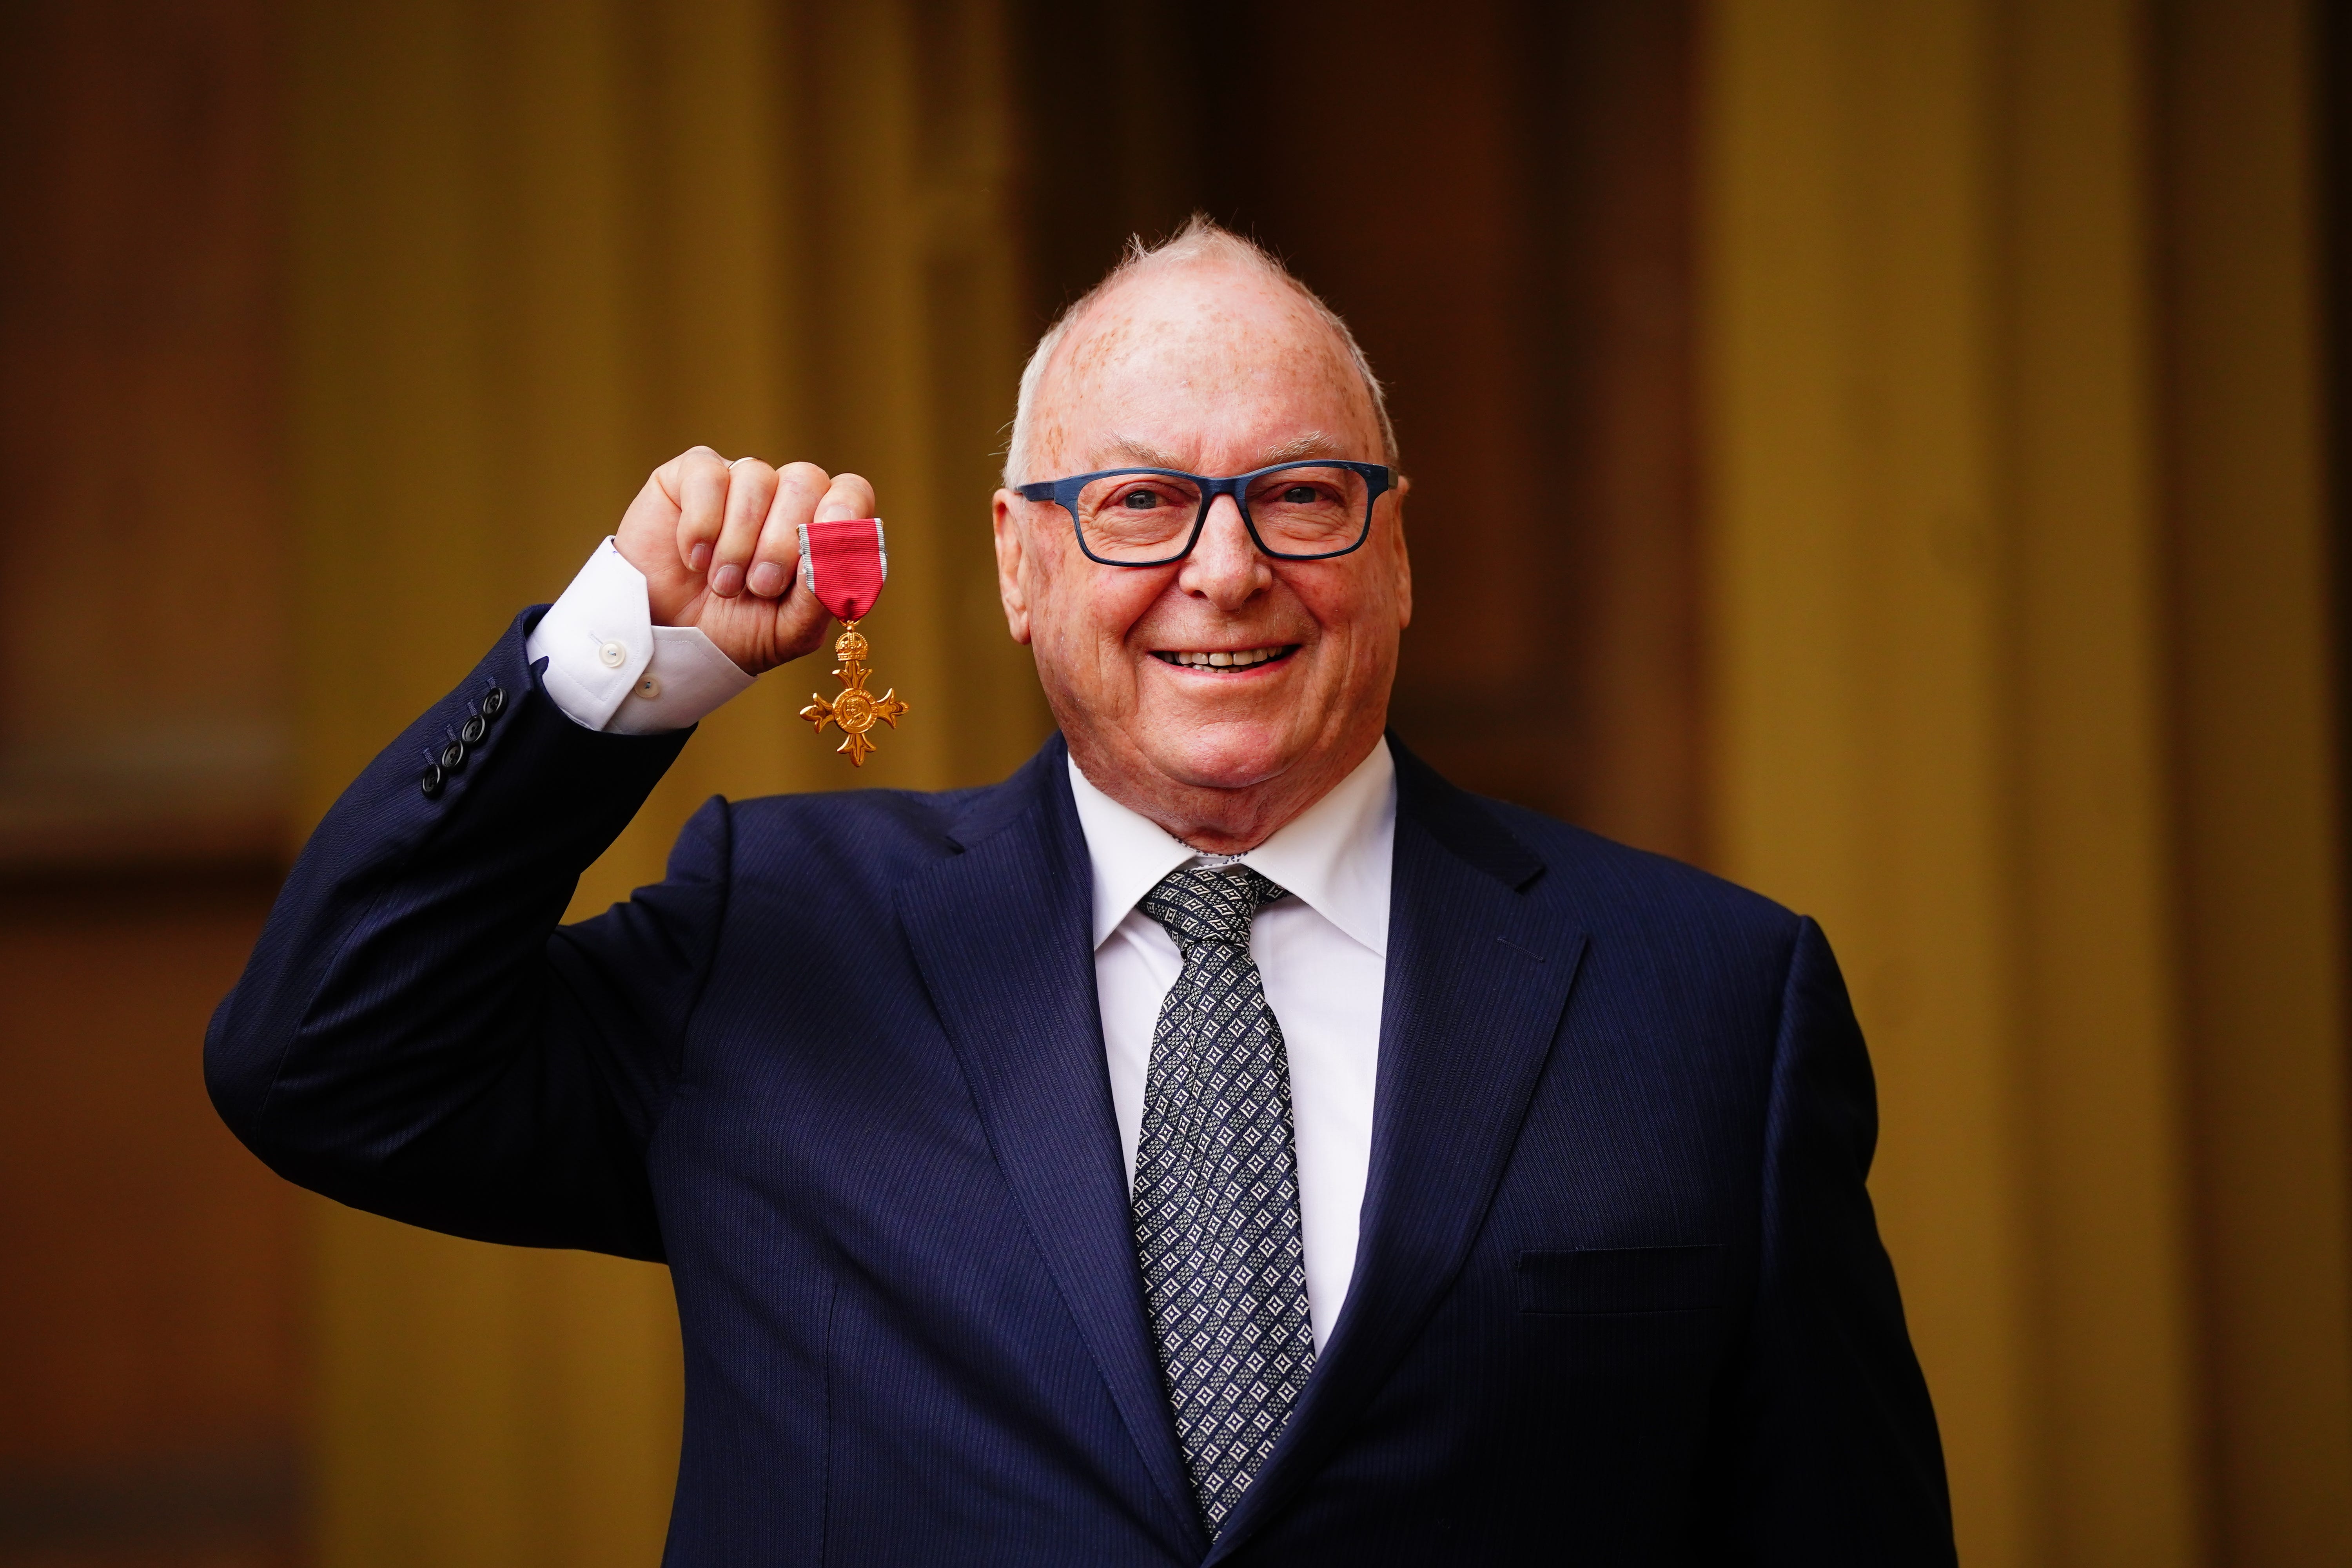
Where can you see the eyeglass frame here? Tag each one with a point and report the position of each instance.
(1064, 493)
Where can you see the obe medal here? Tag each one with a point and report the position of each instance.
(844, 564)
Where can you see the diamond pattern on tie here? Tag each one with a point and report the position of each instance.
(1216, 1191)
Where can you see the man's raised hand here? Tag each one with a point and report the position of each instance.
(719, 548)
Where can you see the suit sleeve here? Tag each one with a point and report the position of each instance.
(416, 1035)
(1829, 1451)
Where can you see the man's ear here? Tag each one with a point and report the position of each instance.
(1011, 548)
(1404, 562)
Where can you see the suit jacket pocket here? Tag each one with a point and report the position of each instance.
(1600, 1279)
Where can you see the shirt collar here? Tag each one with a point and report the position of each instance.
(1337, 856)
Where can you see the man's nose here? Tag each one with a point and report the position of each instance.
(1226, 567)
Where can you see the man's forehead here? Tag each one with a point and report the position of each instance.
(1230, 330)
(1197, 303)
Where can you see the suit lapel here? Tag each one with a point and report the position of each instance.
(1001, 932)
(1478, 976)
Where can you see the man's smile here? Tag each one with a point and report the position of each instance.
(1224, 661)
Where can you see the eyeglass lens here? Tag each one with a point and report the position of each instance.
(1310, 510)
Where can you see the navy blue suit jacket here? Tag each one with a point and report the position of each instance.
(1619, 1299)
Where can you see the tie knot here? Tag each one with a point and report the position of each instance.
(1200, 904)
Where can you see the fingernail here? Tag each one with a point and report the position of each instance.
(698, 556)
(728, 581)
(767, 579)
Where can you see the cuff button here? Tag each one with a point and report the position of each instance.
(648, 688)
(432, 780)
(453, 756)
(494, 701)
(472, 730)
(614, 655)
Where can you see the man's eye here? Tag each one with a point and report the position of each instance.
(1137, 500)
(1300, 495)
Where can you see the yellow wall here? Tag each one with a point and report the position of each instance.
(2019, 674)
(538, 249)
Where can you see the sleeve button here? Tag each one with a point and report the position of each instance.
(432, 780)
(494, 701)
(648, 688)
(473, 730)
(614, 655)
(453, 756)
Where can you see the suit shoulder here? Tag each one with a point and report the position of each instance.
(1662, 931)
(1584, 866)
(835, 841)
(925, 814)
(860, 835)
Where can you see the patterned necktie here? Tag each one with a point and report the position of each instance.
(1216, 1191)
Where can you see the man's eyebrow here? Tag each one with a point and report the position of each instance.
(1134, 451)
(1311, 444)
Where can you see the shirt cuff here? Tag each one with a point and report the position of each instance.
(609, 668)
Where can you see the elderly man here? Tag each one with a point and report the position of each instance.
(1224, 1140)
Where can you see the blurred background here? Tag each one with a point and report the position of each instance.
(1888, 451)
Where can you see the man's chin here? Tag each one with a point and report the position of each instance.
(1230, 755)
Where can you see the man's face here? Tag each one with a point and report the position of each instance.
(1215, 370)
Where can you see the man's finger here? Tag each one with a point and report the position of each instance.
(697, 481)
(752, 485)
(849, 497)
(799, 488)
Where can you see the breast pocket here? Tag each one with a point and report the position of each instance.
(1594, 1281)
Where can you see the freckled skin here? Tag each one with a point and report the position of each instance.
(1220, 370)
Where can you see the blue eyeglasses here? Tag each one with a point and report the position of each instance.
(1151, 517)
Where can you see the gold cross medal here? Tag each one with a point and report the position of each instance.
(844, 565)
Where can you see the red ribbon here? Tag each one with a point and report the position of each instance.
(844, 564)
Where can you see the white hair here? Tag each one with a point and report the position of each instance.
(1201, 239)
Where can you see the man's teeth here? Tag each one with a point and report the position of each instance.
(1228, 660)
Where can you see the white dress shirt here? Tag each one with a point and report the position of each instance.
(610, 667)
(1323, 951)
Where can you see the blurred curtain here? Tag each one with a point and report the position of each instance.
(538, 248)
(2018, 614)
(2009, 468)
